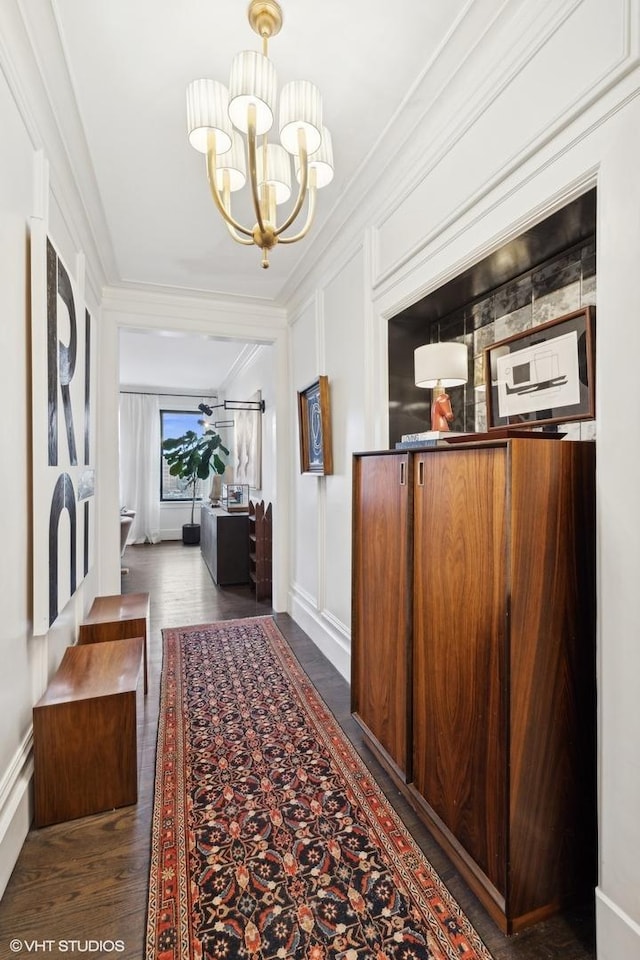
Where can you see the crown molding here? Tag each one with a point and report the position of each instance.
(146, 299)
(237, 319)
(355, 208)
(32, 59)
(495, 44)
(158, 292)
(243, 362)
(626, 60)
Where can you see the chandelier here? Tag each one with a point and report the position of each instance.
(217, 115)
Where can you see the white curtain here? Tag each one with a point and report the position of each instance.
(140, 464)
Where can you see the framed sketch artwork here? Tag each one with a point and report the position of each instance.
(543, 375)
(314, 424)
(62, 435)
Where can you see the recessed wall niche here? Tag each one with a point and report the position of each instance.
(544, 273)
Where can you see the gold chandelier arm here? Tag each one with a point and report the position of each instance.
(253, 164)
(215, 193)
(236, 236)
(226, 199)
(304, 174)
(313, 192)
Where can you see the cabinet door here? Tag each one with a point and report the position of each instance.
(459, 643)
(381, 601)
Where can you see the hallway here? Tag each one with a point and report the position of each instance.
(87, 880)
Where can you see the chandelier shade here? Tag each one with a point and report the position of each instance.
(226, 123)
(234, 164)
(253, 81)
(300, 109)
(321, 161)
(276, 172)
(207, 111)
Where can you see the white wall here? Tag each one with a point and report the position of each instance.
(329, 336)
(258, 373)
(546, 106)
(27, 661)
(18, 649)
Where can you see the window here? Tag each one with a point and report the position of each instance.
(175, 423)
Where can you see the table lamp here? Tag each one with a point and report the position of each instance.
(440, 365)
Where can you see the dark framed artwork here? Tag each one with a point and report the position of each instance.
(314, 423)
(543, 375)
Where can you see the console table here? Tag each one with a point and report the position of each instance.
(224, 542)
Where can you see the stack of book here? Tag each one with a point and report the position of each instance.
(430, 438)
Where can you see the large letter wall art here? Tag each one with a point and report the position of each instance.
(62, 416)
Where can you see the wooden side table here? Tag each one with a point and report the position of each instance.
(116, 618)
(85, 733)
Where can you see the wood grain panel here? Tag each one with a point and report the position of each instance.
(84, 732)
(552, 694)
(381, 600)
(117, 617)
(459, 642)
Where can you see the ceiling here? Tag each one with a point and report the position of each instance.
(130, 62)
(168, 361)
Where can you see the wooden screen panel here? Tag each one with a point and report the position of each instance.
(381, 600)
(459, 647)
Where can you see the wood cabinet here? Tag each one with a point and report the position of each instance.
(260, 549)
(473, 656)
(224, 542)
(381, 598)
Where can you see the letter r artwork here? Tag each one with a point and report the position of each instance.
(62, 411)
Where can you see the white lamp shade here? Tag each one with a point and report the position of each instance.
(300, 107)
(207, 103)
(234, 162)
(278, 170)
(253, 80)
(321, 161)
(446, 362)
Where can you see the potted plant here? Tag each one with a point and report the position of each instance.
(194, 457)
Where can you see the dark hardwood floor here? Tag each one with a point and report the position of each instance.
(87, 880)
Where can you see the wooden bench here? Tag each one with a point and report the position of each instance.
(115, 618)
(84, 733)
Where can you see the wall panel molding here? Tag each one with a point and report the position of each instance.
(619, 55)
(329, 635)
(32, 60)
(390, 296)
(618, 935)
(15, 806)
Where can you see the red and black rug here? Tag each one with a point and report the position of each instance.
(270, 838)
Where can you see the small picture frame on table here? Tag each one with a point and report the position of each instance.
(543, 375)
(314, 424)
(235, 497)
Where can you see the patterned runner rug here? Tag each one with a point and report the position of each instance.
(270, 839)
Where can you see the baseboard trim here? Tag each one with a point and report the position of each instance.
(325, 631)
(617, 934)
(16, 807)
